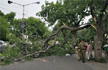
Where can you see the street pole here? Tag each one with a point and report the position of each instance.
(23, 12)
(23, 19)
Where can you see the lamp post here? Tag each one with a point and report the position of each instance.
(23, 24)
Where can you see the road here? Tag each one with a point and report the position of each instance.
(52, 63)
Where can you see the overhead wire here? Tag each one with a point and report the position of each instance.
(9, 6)
(9, 10)
(5, 9)
(12, 6)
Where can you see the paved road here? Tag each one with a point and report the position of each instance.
(49, 63)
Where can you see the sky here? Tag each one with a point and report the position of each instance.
(29, 11)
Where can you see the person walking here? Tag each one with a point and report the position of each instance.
(83, 51)
(79, 50)
(88, 50)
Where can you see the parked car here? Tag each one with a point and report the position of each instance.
(2, 45)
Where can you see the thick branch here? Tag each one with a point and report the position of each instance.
(63, 27)
(92, 13)
(30, 55)
(106, 18)
(104, 6)
(65, 36)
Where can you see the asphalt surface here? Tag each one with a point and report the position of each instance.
(49, 63)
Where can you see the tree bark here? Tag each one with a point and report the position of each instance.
(73, 38)
(64, 31)
(98, 39)
(100, 23)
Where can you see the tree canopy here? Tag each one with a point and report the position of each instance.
(71, 12)
(4, 28)
(4, 24)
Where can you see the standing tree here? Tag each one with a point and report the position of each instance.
(34, 26)
(4, 28)
(10, 16)
(99, 12)
(4, 25)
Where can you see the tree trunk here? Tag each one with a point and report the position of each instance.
(98, 40)
(64, 31)
(73, 38)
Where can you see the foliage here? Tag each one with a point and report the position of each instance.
(61, 50)
(1, 13)
(86, 34)
(21, 48)
(34, 26)
(71, 12)
(4, 24)
(76, 40)
(97, 4)
(15, 27)
(9, 53)
(10, 16)
(4, 28)
(47, 34)
(11, 37)
(64, 11)
(1, 55)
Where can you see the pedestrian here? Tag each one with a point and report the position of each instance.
(88, 50)
(79, 50)
(83, 51)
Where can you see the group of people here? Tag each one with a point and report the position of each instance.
(83, 48)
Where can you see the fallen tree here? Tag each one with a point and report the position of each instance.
(53, 36)
(100, 28)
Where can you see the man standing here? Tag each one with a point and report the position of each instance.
(79, 50)
(83, 51)
(88, 50)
